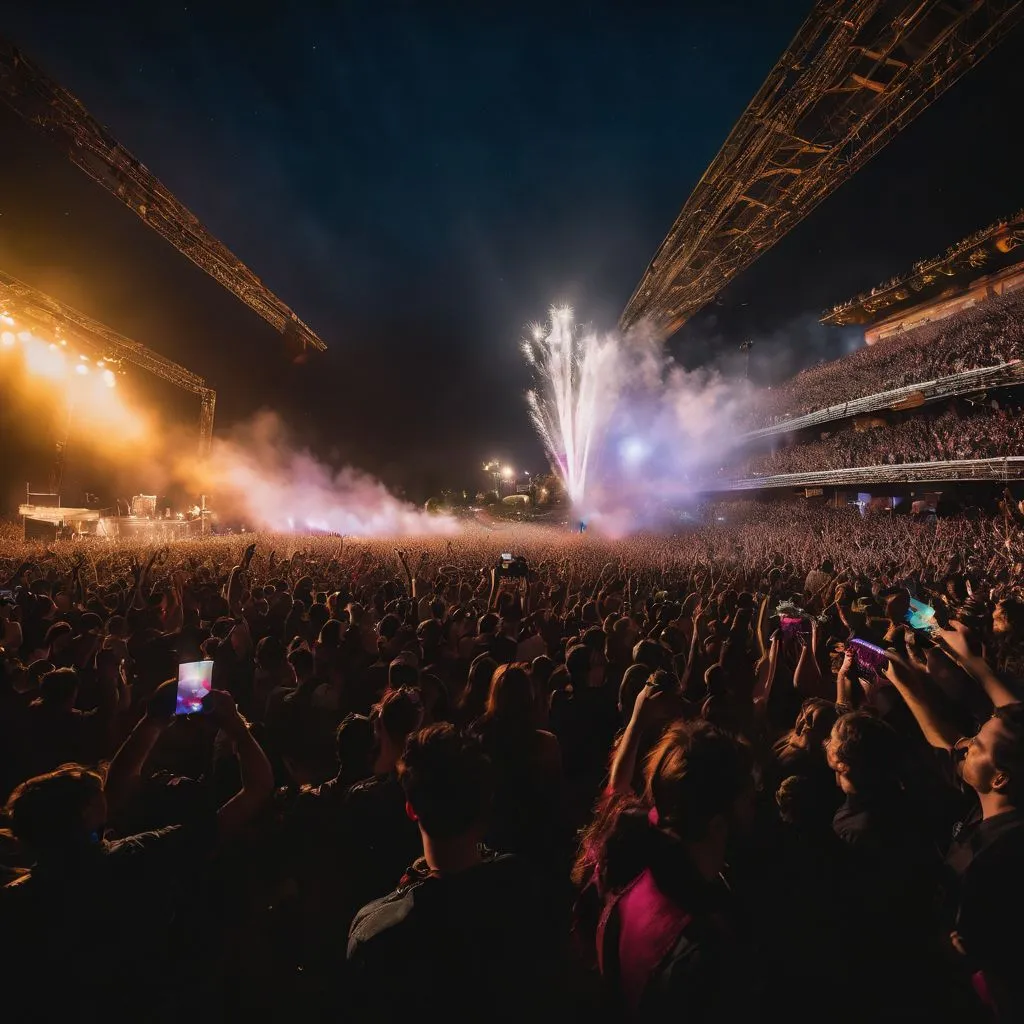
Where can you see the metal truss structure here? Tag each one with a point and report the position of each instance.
(1005, 375)
(1009, 468)
(857, 72)
(968, 256)
(41, 312)
(40, 101)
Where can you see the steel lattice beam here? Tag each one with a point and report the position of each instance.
(42, 312)
(1009, 468)
(857, 72)
(40, 101)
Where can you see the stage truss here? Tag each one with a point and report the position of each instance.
(857, 72)
(48, 107)
(40, 312)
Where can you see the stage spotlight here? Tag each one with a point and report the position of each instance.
(108, 378)
(7, 338)
(5, 319)
(82, 369)
(24, 336)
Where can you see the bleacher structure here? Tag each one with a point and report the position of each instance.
(894, 317)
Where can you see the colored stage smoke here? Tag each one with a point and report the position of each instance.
(258, 476)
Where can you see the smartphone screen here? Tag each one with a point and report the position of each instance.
(792, 625)
(506, 559)
(921, 615)
(195, 679)
(869, 657)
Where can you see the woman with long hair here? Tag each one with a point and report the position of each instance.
(473, 701)
(526, 817)
(664, 941)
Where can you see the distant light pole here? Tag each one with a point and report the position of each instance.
(745, 349)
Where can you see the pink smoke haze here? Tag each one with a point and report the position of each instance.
(257, 475)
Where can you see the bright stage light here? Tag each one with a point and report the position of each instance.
(507, 472)
(84, 359)
(24, 336)
(5, 319)
(108, 378)
(82, 369)
(63, 342)
(7, 339)
(634, 451)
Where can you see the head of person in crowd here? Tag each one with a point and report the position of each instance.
(1008, 619)
(586, 666)
(58, 689)
(650, 654)
(992, 761)
(813, 724)
(59, 816)
(510, 703)
(302, 665)
(399, 713)
(698, 800)
(634, 680)
(447, 784)
(404, 671)
(354, 744)
(473, 701)
(865, 753)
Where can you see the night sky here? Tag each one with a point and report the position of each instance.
(418, 181)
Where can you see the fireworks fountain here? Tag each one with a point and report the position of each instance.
(631, 433)
(568, 406)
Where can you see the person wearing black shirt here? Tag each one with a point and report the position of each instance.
(102, 908)
(468, 934)
(987, 852)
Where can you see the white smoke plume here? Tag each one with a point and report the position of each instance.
(257, 475)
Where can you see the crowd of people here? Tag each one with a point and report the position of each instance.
(958, 432)
(767, 766)
(982, 336)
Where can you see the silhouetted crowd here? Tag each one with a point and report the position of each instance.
(984, 335)
(765, 768)
(959, 432)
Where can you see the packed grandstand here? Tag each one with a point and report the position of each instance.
(946, 393)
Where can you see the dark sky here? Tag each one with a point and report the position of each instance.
(418, 181)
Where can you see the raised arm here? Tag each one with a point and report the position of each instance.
(913, 686)
(955, 641)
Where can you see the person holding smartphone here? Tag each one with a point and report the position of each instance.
(112, 901)
(985, 854)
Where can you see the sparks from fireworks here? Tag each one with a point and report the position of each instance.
(566, 404)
